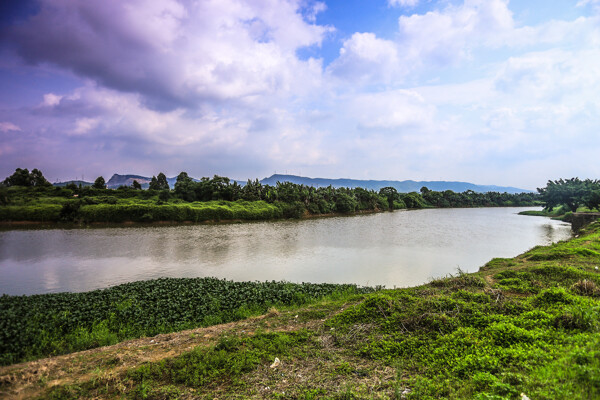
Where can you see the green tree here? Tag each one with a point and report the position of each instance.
(184, 187)
(99, 183)
(37, 178)
(136, 185)
(592, 199)
(566, 192)
(153, 184)
(413, 200)
(164, 195)
(252, 191)
(345, 203)
(391, 194)
(162, 182)
(20, 177)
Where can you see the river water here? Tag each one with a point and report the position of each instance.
(398, 249)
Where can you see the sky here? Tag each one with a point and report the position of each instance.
(484, 91)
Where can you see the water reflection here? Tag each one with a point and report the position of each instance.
(394, 249)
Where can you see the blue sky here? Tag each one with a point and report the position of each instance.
(487, 91)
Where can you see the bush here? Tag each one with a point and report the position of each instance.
(50, 324)
(40, 213)
(344, 203)
(291, 210)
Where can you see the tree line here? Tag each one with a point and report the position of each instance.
(294, 200)
(571, 194)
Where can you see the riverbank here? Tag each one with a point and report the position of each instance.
(218, 200)
(528, 324)
(558, 213)
(8, 225)
(59, 224)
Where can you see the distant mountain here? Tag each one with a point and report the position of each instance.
(82, 183)
(400, 186)
(127, 180)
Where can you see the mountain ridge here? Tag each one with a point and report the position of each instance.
(404, 186)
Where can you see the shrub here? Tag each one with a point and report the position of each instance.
(586, 288)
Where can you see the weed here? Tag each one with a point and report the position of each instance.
(586, 288)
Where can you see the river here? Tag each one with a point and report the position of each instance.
(398, 249)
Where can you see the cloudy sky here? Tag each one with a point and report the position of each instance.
(486, 91)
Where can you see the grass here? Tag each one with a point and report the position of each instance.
(43, 325)
(559, 213)
(530, 325)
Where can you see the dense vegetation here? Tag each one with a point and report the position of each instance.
(526, 325)
(24, 178)
(218, 199)
(49, 324)
(571, 194)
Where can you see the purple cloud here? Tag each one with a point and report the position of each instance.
(170, 52)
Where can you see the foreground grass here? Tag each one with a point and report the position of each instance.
(51, 324)
(524, 325)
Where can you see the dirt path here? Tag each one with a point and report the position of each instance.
(31, 379)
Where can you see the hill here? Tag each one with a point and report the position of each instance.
(401, 186)
(78, 183)
(127, 180)
(406, 186)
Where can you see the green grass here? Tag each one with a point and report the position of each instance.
(50, 324)
(179, 212)
(139, 211)
(559, 212)
(229, 359)
(467, 344)
(538, 323)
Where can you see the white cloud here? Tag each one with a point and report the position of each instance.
(84, 125)
(301, 147)
(436, 39)
(532, 107)
(122, 116)
(444, 37)
(8, 127)
(399, 109)
(177, 52)
(369, 59)
(51, 100)
(403, 3)
(583, 3)
(217, 86)
(553, 76)
(316, 8)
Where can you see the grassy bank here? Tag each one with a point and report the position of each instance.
(106, 209)
(224, 202)
(81, 206)
(42, 325)
(527, 325)
(559, 213)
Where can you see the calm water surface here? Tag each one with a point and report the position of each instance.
(403, 248)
